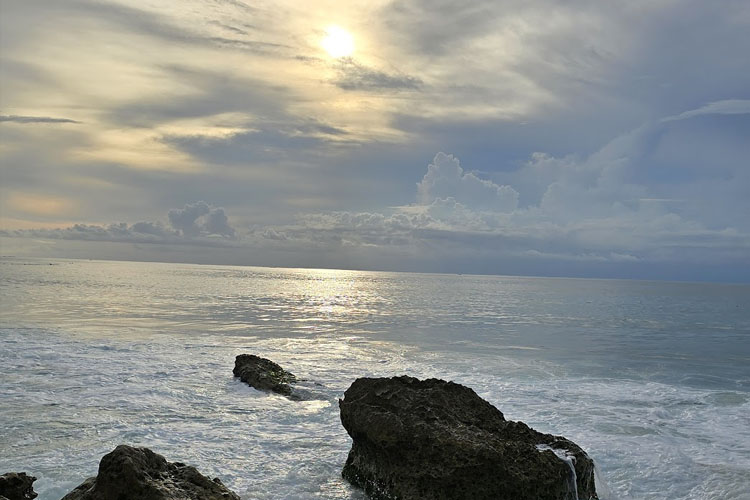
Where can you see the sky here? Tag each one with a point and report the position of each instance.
(534, 137)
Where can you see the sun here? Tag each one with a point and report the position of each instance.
(338, 42)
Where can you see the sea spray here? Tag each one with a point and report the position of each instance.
(569, 459)
(602, 487)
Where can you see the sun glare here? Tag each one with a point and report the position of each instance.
(338, 42)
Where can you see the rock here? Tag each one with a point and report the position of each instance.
(264, 375)
(17, 486)
(438, 440)
(129, 473)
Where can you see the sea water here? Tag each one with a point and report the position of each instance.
(652, 379)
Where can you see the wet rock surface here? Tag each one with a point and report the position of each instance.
(439, 440)
(264, 375)
(129, 473)
(17, 486)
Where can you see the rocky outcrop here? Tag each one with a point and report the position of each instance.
(17, 486)
(438, 440)
(129, 473)
(264, 375)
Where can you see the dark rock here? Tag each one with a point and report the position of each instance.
(129, 473)
(17, 486)
(264, 375)
(438, 440)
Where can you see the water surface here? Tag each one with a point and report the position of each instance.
(651, 378)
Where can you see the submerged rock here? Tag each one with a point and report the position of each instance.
(433, 439)
(17, 486)
(264, 375)
(129, 473)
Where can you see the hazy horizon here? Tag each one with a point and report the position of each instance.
(44, 260)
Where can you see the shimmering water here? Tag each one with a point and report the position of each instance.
(652, 379)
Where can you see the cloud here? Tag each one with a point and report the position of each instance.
(167, 26)
(535, 98)
(155, 228)
(34, 119)
(355, 76)
(604, 214)
(272, 234)
(140, 232)
(217, 223)
(183, 219)
(200, 218)
(725, 107)
(196, 223)
(273, 141)
(606, 211)
(446, 179)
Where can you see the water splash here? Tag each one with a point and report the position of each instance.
(569, 459)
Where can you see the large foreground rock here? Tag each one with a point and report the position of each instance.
(129, 473)
(264, 375)
(438, 440)
(17, 486)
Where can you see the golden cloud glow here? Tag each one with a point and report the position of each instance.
(141, 149)
(40, 204)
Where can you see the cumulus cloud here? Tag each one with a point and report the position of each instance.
(184, 219)
(604, 209)
(200, 218)
(446, 179)
(218, 223)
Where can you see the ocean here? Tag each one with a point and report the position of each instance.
(652, 379)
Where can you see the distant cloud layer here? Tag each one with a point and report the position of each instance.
(601, 210)
(195, 223)
(34, 119)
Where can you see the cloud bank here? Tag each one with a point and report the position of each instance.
(195, 224)
(599, 215)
